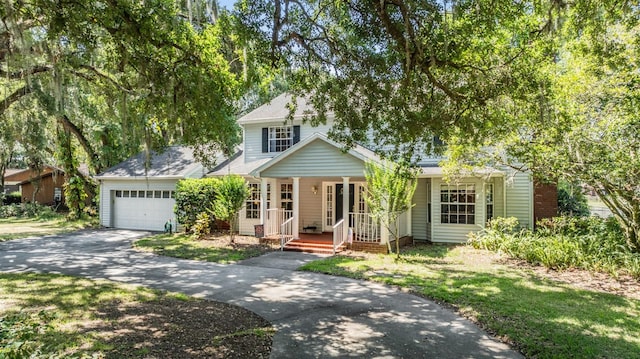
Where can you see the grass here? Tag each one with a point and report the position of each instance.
(540, 317)
(17, 227)
(53, 315)
(181, 245)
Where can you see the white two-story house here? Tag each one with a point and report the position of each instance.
(305, 183)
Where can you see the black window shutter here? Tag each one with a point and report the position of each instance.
(265, 140)
(296, 134)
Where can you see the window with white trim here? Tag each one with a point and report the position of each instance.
(252, 206)
(286, 196)
(458, 204)
(253, 202)
(489, 201)
(280, 138)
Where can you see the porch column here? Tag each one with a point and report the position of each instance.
(296, 207)
(263, 200)
(345, 206)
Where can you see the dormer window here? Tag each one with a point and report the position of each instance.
(279, 138)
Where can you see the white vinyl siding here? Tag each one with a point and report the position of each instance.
(498, 197)
(519, 201)
(317, 159)
(419, 212)
(253, 137)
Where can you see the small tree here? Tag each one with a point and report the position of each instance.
(390, 189)
(231, 194)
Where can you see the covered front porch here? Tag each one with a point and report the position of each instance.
(321, 211)
(316, 187)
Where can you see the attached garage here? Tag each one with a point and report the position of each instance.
(142, 209)
(134, 198)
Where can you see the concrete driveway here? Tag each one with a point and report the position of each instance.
(316, 316)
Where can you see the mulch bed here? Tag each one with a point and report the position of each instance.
(172, 328)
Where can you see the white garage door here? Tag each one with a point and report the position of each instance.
(148, 210)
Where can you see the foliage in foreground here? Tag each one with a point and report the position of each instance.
(187, 247)
(541, 318)
(390, 189)
(589, 243)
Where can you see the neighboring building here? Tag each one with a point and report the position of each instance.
(9, 184)
(137, 194)
(303, 182)
(47, 185)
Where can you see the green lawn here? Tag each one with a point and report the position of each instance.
(14, 228)
(215, 250)
(540, 317)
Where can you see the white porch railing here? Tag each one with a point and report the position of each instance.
(338, 235)
(286, 233)
(275, 218)
(365, 228)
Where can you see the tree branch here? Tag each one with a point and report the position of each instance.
(64, 121)
(15, 96)
(16, 75)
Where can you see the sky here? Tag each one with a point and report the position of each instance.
(226, 3)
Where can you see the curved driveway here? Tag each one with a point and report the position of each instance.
(315, 316)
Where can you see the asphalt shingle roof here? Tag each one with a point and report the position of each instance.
(277, 109)
(174, 161)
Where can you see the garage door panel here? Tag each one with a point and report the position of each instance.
(142, 213)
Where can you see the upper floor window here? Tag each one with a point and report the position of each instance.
(279, 138)
(458, 204)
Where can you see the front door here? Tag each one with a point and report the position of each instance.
(340, 211)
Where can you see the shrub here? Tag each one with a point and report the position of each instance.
(588, 243)
(192, 197)
(27, 210)
(13, 198)
(202, 226)
(571, 200)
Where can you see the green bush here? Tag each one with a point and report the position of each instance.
(571, 200)
(193, 196)
(589, 243)
(13, 197)
(27, 210)
(203, 225)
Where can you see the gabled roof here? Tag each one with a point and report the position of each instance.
(278, 109)
(173, 162)
(358, 152)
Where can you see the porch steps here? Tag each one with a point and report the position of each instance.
(312, 247)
